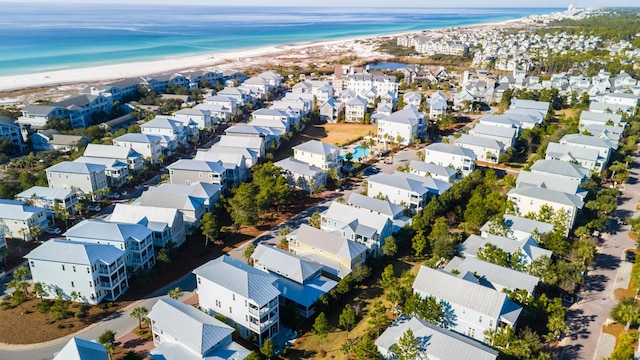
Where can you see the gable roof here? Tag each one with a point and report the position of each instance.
(449, 149)
(548, 195)
(440, 343)
(361, 221)
(546, 181)
(240, 278)
(467, 294)
(527, 245)
(76, 168)
(80, 349)
(138, 138)
(600, 117)
(411, 182)
(575, 153)
(162, 122)
(155, 218)
(433, 169)
(519, 223)
(73, 252)
(560, 168)
(189, 326)
(197, 165)
(588, 140)
(384, 207)
(109, 151)
(285, 263)
(47, 193)
(317, 147)
(168, 200)
(298, 167)
(108, 231)
(499, 131)
(530, 104)
(17, 210)
(494, 274)
(480, 141)
(331, 243)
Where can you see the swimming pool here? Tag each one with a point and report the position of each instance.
(358, 153)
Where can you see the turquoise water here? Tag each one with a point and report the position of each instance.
(53, 36)
(358, 153)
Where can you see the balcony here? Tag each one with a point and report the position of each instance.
(254, 310)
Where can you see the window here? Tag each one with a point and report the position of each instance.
(230, 310)
(90, 283)
(234, 297)
(62, 267)
(72, 284)
(480, 319)
(32, 264)
(74, 268)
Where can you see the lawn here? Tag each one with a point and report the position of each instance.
(307, 345)
(335, 134)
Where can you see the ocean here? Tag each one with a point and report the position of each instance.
(46, 37)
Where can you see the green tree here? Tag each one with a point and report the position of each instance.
(407, 347)
(624, 348)
(175, 293)
(61, 213)
(210, 227)
(378, 317)
(390, 247)
(19, 281)
(107, 337)
(242, 206)
(314, 220)
(163, 257)
(428, 309)
(419, 243)
(273, 187)
(366, 349)
(139, 313)
(321, 328)
(268, 349)
(39, 290)
(248, 251)
(347, 318)
(626, 312)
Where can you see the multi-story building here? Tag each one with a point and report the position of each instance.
(149, 146)
(48, 198)
(10, 130)
(318, 154)
(166, 224)
(93, 272)
(123, 154)
(452, 156)
(78, 176)
(17, 220)
(134, 239)
(245, 295)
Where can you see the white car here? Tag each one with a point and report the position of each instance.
(53, 231)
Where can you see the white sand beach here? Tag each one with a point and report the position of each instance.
(322, 51)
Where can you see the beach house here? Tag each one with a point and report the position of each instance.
(123, 154)
(404, 126)
(456, 157)
(18, 220)
(585, 157)
(301, 174)
(188, 171)
(166, 224)
(492, 275)
(434, 342)
(149, 146)
(527, 246)
(181, 331)
(49, 198)
(355, 109)
(317, 153)
(80, 349)
(299, 280)
(339, 255)
(82, 177)
(246, 296)
(472, 308)
(10, 130)
(530, 199)
(409, 190)
(604, 146)
(52, 140)
(115, 170)
(92, 272)
(485, 149)
(432, 170)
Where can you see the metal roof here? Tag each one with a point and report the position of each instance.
(528, 245)
(449, 149)
(73, 252)
(240, 278)
(494, 274)
(439, 343)
(384, 207)
(285, 264)
(108, 231)
(548, 195)
(317, 147)
(110, 151)
(80, 349)
(560, 168)
(189, 326)
(464, 293)
(546, 181)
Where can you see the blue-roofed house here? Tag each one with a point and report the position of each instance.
(80, 349)
(472, 308)
(95, 272)
(434, 342)
(245, 295)
(299, 280)
(181, 331)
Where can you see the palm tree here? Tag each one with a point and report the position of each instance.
(626, 312)
(139, 313)
(175, 293)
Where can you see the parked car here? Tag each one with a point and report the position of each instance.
(113, 195)
(371, 170)
(94, 208)
(53, 231)
(568, 298)
(124, 193)
(630, 256)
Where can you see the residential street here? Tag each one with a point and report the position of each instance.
(587, 317)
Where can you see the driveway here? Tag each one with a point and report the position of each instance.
(586, 318)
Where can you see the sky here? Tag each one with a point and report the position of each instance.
(375, 3)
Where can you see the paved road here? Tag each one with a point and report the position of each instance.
(587, 317)
(120, 322)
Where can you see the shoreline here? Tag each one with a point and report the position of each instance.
(220, 61)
